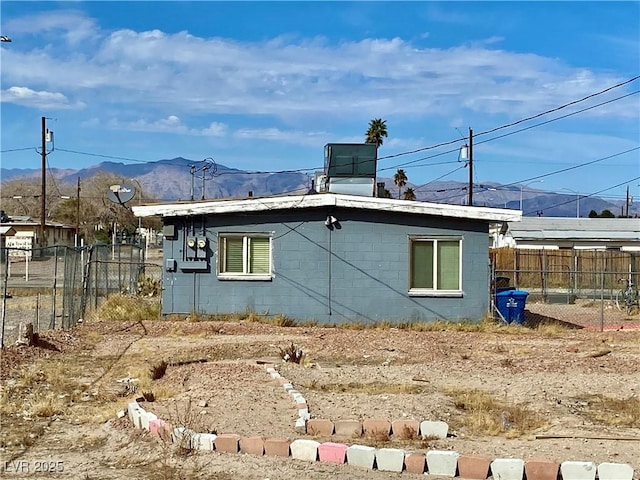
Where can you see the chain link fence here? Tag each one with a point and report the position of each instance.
(584, 288)
(55, 287)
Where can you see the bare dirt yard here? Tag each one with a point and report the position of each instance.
(506, 392)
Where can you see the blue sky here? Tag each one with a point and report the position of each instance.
(265, 85)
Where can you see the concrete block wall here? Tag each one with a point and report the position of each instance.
(444, 463)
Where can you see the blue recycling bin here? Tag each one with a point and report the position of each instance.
(510, 303)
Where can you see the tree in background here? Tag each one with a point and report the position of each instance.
(604, 214)
(409, 194)
(376, 131)
(97, 213)
(400, 179)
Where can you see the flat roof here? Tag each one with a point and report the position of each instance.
(300, 202)
(578, 229)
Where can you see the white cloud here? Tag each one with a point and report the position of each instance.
(298, 82)
(38, 99)
(69, 25)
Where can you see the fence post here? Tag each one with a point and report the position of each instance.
(52, 323)
(601, 300)
(5, 254)
(38, 312)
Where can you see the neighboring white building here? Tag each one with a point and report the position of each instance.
(569, 233)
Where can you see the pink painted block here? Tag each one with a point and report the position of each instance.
(348, 428)
(277, 447)
(474, 466)
(537, 469)
(405, 428)
(415, 462)
(320, 427)
(227, 443)
(332, 452)
(376, 427)
(252, 445)
(155, 426)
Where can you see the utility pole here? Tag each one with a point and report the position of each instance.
(470, 167)
(43, 192)
(627, 204)
(192, 171)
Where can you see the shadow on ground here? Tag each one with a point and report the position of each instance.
(535, 320)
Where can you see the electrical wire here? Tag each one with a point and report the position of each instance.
(486, 132)
(587, 196)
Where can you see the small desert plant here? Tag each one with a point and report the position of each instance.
(484, 415)
(158, 370)
(612, 411)
(128, 308)
(148, 286)
(373, 388)
(284, 321)
(292, 353)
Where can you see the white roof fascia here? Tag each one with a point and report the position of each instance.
(327, 200)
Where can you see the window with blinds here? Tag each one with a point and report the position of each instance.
(244, 256)
(436, 265)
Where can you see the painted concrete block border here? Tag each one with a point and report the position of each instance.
(390, 459)
(361, 456)
(578, 470)
(615, 471)
(305, 449)
(507, 469)
(332, 452)
(442, 462)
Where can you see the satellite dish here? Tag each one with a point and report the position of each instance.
(121, 193)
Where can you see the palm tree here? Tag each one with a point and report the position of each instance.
(409, 194)
(400, 179)
(377, 129)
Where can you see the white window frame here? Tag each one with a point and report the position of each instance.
(435, 292)
(245, 275)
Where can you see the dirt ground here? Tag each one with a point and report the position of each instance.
(60, 398)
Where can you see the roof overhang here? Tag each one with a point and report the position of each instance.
(299, 202)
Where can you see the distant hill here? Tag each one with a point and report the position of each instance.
(171, 180)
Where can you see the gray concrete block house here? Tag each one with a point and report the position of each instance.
(332, 257)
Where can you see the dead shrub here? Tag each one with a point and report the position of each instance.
(484, 415)
(158, 370)
(292, 353)
(614, 412)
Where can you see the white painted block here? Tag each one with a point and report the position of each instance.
(615, 471)
(434, 429)
(507, 469)
(275, 375)
(131, 406)
(287, 387)
(299, 398)
(203, 441)
(304, 413)
(442, 462)
(301, 425)
(304, 449)
(271, 370)
(183, 436)
(578, 470)
(361, 456)
(145, 418)
(137, 414)
(390, 459)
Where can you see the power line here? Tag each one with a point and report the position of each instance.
(442, 144)
(580, 196)
(18, 149)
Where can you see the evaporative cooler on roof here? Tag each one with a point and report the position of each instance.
(351, 168)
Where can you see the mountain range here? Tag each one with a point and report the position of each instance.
(183, 179)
